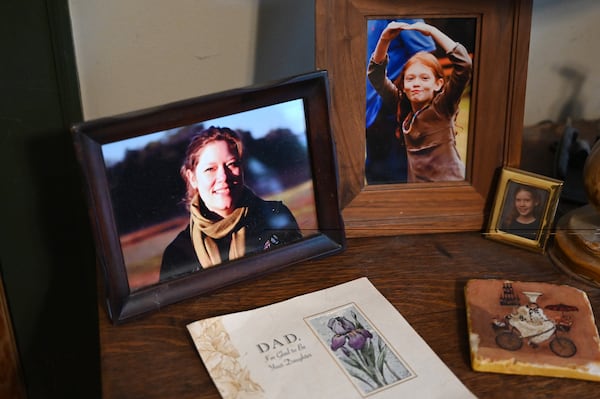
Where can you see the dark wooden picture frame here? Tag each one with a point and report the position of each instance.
(542, 192)
(498, 95)
(325, 236)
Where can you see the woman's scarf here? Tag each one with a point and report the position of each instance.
(204, 232)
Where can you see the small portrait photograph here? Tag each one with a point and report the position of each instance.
(418, 99)
(524, 208)
(192, 198)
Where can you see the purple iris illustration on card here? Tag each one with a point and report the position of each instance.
(359, 349)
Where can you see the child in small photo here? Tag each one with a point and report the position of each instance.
(524, 212)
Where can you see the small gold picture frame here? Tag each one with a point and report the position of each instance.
(524, 209)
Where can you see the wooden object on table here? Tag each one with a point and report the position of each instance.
(496, 117)
(423, 276)
(577, 245)
(574, 249)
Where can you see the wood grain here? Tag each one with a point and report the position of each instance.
(423, 276)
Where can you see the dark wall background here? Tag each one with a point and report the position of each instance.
(46, 250)
(286, 31)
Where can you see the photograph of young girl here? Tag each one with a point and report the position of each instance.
(418, 99)
(523, 210)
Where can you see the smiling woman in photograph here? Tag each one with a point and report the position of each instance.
(227, 220)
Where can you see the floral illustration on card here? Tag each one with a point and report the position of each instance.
(359, 349)
(222, 360)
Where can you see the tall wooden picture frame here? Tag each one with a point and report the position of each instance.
(495, 117)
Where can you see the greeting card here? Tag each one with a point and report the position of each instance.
(345, 342)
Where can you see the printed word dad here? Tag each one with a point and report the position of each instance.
(287, 339)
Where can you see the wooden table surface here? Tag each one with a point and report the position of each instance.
(423, 276)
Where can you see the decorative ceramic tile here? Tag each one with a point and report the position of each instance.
(532, 328)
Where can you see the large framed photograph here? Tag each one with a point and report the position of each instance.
(188, 197)
(427, 103)
(524, 207)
